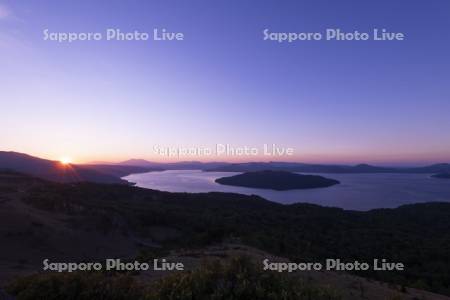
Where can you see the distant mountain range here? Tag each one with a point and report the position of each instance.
(316, 168)
(56, 171)
(182, 165)
(112, 172)
(284, 166)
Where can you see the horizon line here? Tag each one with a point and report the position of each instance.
(393, 163)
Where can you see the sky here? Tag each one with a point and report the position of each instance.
(381, 102)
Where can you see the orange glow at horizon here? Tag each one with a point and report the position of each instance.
(65, 160)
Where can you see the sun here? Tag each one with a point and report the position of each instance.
(65, 160)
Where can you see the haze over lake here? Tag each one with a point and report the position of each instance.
(356, 191)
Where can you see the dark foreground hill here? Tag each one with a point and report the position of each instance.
(88, 221)
(277, 180)
(55, 171)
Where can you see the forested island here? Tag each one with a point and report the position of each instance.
(277, 180)
(441, 175)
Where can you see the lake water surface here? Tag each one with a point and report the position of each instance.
(356, 191)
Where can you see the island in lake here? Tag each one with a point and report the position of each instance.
(277, 180)
(441, 175)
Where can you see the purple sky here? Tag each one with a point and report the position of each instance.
(342, 102)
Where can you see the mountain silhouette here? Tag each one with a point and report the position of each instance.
(56, 171)
(317, 168)
(182, 165)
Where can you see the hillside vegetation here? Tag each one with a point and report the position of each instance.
(416, 235)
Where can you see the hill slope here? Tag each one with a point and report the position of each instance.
(55, 171)
(85, 221)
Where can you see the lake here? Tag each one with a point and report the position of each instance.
(356, 191)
